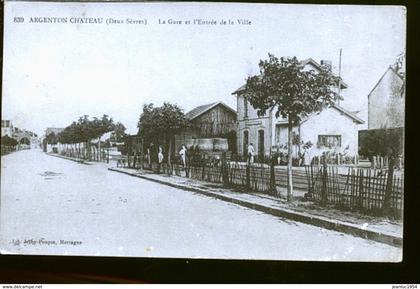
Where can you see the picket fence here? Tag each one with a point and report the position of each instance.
(91, 154)
(347, 188)
(356, 189)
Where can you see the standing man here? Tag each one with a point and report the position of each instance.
(251, 152)
(183, 155)
(148, 156)
(160, 157)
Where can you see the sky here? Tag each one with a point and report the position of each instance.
(56, 72)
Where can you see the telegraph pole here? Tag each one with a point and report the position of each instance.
(339, 76)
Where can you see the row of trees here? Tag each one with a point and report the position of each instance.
(8, 141)
(86, 129)
(11, 142)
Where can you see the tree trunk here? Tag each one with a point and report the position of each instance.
(169, 153)
(99, 149)
(85, 150)
(142, 155)
(289, 161)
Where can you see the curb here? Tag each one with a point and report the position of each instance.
(69, 158)
(287, 214)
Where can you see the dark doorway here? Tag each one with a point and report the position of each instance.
(231, 138)
(245, 143)
(261, 145)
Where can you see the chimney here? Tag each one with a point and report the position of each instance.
(327, 64)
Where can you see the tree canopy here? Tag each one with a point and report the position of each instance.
(293, 92)
(51, 138)
(161, 122)
(86, 129)
(118, 134)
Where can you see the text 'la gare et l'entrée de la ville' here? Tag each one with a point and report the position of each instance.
(116, 20)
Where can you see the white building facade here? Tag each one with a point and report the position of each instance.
(386, 101)
(334, 129)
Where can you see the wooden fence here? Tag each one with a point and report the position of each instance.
(254, 177)
(344, 187)
(87, 154)
(357, 189)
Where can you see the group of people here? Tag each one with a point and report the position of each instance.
(149, 156)
(184, 154)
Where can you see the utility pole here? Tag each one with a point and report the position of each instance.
(339, 76)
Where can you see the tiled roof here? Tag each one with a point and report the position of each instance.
(349, 114)
(344, 112)
(199, 110)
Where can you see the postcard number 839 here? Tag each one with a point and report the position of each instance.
(18, 19)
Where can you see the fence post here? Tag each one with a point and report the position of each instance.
(272, 176)
(361, 191)
(324, 182)
(225, 177)
(388, 190)
(187, 167)
(248, 172)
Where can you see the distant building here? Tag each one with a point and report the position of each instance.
(19, 134)
(48, 147)
(6, 128)
(55, 130)
(386, 106)
(31, 137)
(212, 120)
(35, 142)
(386, 101)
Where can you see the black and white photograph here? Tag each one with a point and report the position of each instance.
(237, 131)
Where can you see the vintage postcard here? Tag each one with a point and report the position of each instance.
(203, 130)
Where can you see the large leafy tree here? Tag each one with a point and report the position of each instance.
(118, 133)
(51, 138)
(8, 141)
(160, 124)
(292, 92)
